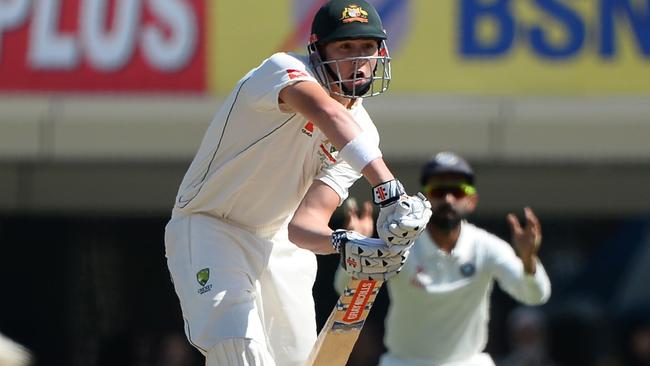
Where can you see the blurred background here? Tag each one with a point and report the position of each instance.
(103, 104)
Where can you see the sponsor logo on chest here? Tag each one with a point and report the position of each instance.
(308, 129)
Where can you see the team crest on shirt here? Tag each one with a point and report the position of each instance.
(202, 277)
(467, 269)
(354, 13)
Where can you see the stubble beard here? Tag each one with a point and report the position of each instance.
(358, 91)
(446, 218)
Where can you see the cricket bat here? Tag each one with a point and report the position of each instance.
(340, 332)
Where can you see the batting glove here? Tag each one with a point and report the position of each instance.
(401, 218)
(368, 258)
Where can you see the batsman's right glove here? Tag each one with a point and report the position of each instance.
(368, 258)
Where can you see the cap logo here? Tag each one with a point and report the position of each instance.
(445, 158)
(354, 13)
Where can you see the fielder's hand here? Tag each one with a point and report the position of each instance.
(368, 258)
(401, 218)
(527, 239)
(358, 218)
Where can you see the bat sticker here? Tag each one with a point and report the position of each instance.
(339, 327)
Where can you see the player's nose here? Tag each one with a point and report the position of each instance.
(449, 197)
(362, 51)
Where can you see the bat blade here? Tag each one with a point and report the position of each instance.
(339, 334)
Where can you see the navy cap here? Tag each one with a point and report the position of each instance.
(446, 162)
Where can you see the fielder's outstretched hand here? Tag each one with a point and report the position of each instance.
(357, 218)
(368, 258)
(527, 239)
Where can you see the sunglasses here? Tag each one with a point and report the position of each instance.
(458, 190)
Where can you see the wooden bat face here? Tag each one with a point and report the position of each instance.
(340, 332)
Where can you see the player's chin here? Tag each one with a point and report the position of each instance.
(449, 216)
(358, 88)
(356, 84)
(445, 222)
(363, 82)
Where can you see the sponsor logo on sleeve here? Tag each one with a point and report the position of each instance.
(295, 74)
(328, 154)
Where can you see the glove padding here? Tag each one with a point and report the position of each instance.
(402, 221)
(368, 258)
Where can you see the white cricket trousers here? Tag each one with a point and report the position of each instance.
(234, 285)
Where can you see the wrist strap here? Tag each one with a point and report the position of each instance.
(338, 238)
(360, 151)
(388, 192)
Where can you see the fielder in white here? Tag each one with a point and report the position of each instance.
(439, 303)
(254, 205)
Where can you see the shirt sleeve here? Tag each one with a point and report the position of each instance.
(340, 178)
(509, 272)
(262, 89)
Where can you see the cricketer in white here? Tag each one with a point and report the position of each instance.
(255, 203)
(257, 141)
(439, 302)
(245, 194)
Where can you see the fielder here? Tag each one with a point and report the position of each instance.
(274, 164)
(439, 303)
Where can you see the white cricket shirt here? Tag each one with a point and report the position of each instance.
(257, 158)
(439, 303)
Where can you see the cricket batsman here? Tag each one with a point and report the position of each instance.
(254, 206)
